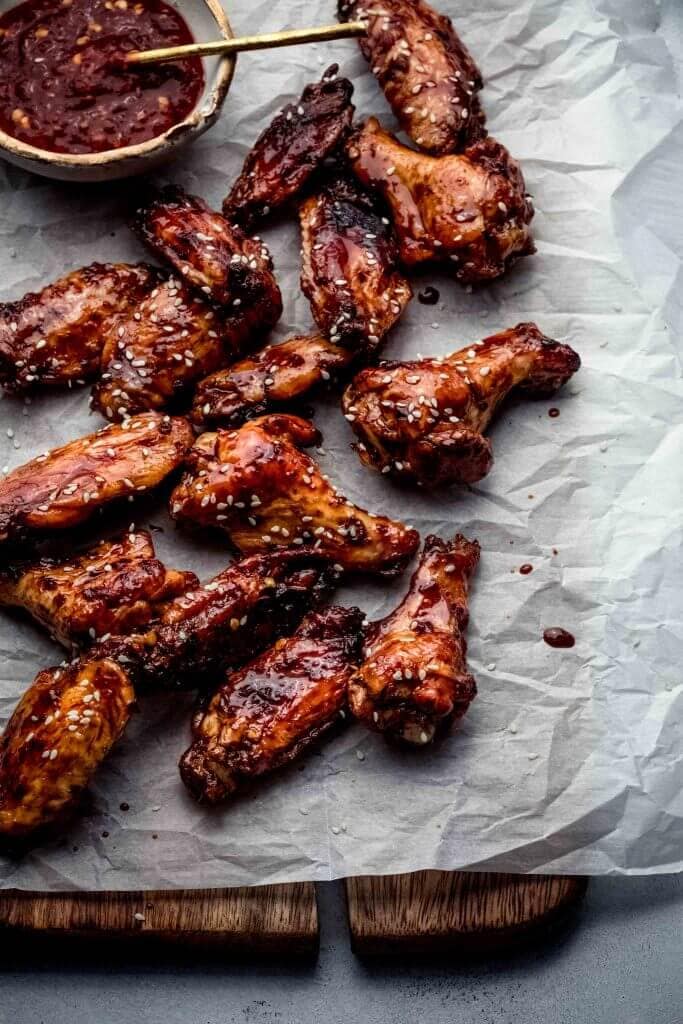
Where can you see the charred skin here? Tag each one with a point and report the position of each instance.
(291, 149)
(65, 487)
(64, 726)
(350, 274)
(112, 588)
(277, 376)
(260, 487)
(152, 357)
(422, 421)
(274, 709)
(413, 681)
(227, 621)
(54, 337)
(216, 258)
(427, 74)
(471, 210)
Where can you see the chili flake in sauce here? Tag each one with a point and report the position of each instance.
(64, 88)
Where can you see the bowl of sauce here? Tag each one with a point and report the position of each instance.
(70, 107)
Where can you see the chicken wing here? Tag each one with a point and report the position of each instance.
(349, 273)
(278, 375)
(257, 485)
(61, 731)
(471, 209)
(66, 486)
(422, 420)
(275, 708)
(425, 70)
(413, 681)
(53, 337)
(111, 588)
(227, 621)
(291, 149)
(152, 357)
(217, 258)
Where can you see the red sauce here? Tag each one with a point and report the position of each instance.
(557, 637)
(553, 413)
(64, 88)
(526, 569)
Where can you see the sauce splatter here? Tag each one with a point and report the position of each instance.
(553, 413)
(429, 296)
(557, 637)
(64, 86)
(526, 569)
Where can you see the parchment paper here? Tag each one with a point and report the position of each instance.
(568, 761)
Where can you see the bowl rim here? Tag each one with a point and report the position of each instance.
(219, 90)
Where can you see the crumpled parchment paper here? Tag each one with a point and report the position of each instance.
(568, 761)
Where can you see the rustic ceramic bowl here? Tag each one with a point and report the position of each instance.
(207, 20)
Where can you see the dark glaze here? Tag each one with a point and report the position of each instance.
(226, 621)
(66, 486)
(53, 337)
(413, 681)
(526, 569)
(292, 148)
(469, 211)
(350, 269)
(260, 487)
(440, 440)
(558, 637)
(272, 378)
(429, 296)
(275, 708)
(64, 88)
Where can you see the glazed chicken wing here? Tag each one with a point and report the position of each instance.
(349, 273)
(413, 681)
(53, 337)
(112, 588)
(226, 266)
(66, 486)
(152, 357)
(276, 376)
(291, 149)
(425, 70)
(227, 621)
(63, 728)
(471, 209)
(275, 708)
(257, 485)
(422, 420)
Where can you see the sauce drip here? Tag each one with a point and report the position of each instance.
(553, 413)
(64, 88)
(526, 569)
(429, 296)
(557, 637)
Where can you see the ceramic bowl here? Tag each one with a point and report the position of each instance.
(207, 20)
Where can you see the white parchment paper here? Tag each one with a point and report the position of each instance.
(568, 761)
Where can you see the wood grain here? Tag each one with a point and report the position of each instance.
(271, 919)
(438, 911)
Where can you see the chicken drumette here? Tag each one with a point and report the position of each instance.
(413, 681)
(61, 731)
(226, 621)
(349, 273)
(425, 70)
(276, 376)
(271, 711)
(217, 258)
(152, 357)
(66, 486)
(53, 337)
(422, 420)
(291, 148)
(112, 588)
(257, 485)
(471, 209)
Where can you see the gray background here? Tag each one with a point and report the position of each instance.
(621, 964)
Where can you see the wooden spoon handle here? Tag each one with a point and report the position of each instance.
(265, 42)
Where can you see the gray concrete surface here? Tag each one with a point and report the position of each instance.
(621, 964)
